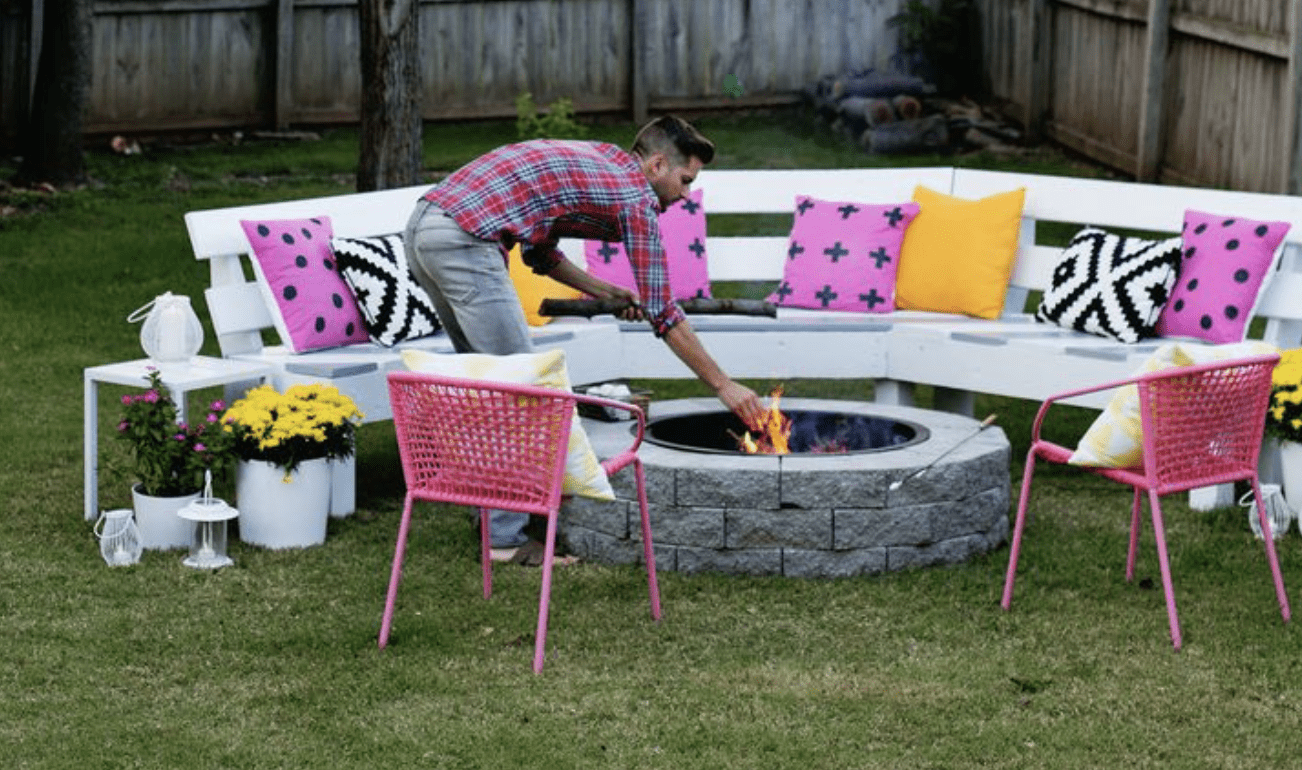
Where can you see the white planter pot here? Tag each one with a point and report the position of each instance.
(159, 526)
(1290, 467)
(280, 513)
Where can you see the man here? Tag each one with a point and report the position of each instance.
(534, 193)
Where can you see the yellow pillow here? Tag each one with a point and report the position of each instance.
(1116, 439)
(532, 288)
(583, 472)
(958, 254)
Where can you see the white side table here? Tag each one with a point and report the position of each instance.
(201, 372)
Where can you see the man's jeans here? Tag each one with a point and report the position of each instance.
(467, 280)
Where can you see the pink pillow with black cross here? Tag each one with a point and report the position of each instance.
(1226, 264)
(843, 256)
(311, 305)
(682, 233)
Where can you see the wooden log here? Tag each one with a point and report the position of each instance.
(588, 308)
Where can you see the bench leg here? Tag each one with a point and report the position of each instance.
(343, 487)
(954, 401)
(893, 392)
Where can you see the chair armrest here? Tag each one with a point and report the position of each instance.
(619, 461)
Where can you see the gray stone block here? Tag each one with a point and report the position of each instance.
(702, 527)
(731, 488)
(748, 561)
(972, 515)
(876, 527)
(787, 528)
(610, 518)
(801, 563)
(830, 487)
(949, 551)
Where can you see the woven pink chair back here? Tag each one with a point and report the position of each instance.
(1204, 424)
(479, 443)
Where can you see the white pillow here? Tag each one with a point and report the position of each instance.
(584, 475)
(1116, 439)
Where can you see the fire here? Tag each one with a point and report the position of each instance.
(773, 434)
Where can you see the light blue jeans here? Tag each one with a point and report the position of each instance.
(467, 280)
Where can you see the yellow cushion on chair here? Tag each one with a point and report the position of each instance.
(584, 475)
(958, 254)
(532, 288)
(1116, 438)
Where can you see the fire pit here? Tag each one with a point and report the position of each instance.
(817, 512)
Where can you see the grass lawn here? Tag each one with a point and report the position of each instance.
(272, 663)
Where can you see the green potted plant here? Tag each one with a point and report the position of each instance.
(1284, 422)
(284, 443)
(168, 460)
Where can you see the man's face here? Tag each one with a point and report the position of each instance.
(671, 183)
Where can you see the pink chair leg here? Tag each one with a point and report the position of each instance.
(1135, 524)
(485, 554)
(395, 573)
(1271, 555)
(1019, 525)
(648, 548)
(1159, 534)
(544, 600)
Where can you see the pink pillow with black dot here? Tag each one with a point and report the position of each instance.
(1225, 266)
(682, 233)
(312, 307)
(843, 256)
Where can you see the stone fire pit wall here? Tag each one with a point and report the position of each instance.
(810, 515)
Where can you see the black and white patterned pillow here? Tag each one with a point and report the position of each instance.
(1111, 285)
(394, 307)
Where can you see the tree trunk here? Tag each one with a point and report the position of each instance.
(51, 141)
(391, 89)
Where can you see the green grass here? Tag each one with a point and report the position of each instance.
(272, 662)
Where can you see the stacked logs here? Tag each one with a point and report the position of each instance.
(889, 113)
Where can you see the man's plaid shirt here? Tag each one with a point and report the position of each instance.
(535, 193)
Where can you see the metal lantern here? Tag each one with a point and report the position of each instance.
(119, 540)
(209, 514)
(171, 333)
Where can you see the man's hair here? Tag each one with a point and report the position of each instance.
(675, 138)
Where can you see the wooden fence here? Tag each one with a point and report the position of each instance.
(1199, 92)
(207, 64)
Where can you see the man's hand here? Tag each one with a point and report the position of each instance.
(743, 402)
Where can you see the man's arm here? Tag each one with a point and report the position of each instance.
(739, 399)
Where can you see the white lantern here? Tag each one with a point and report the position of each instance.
(171, 333)
(119, 540)
(209, 514)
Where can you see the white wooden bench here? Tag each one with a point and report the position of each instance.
(959, 356)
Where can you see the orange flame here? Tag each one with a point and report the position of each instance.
(774, 432)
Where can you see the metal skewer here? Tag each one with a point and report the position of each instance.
(986, 423)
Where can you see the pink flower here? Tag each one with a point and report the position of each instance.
(218, 406)
(123, 426)
(212, 417)
(151, 397)
(200, 448)
(127, 399)
(179, 437)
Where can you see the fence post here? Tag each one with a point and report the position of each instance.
(1040, 67)
(1149, 148)
(636, 69)
(1292, 181)
(283, 84)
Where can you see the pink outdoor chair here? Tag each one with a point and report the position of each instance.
(1202, 425)
(496, 445)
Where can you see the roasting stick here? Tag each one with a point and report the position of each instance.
(986, 423)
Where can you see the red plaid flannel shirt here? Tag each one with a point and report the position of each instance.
(535, 193)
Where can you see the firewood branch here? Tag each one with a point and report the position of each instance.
(588, 308)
